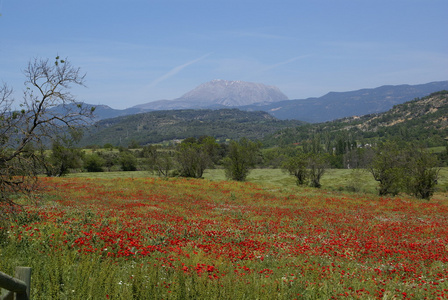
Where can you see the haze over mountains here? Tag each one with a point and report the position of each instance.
(259, 97)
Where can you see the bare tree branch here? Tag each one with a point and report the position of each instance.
(48, 109)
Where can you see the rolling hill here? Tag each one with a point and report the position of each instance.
(159, 126)
(421, 120)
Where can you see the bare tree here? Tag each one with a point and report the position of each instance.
(46, 112)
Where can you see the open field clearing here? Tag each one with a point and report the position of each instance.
(152, 238)
(334, 179)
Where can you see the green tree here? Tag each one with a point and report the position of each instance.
(307, 167)
(164, 163)
(241, 158)
(110, 159)
(62, 159)
(160, 161)
(128, 161)
(108, 146)
(405, 167)
(93, 163)
(133, 145)
(211, 147)
(193, 158)
(317, 165)
(387, 167)
(298, 167)
(421, 172)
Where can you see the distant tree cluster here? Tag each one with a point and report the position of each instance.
(398, 167)
(193, 156)
(404, 168)
(189, 158)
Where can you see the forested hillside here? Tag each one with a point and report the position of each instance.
(159, 126)
(422, 120)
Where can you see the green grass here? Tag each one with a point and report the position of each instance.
(333, 179)
(111, 175)
(259, 176)
(349, 180)
(439, 149)
(443, 179)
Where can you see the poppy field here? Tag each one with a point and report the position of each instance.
(153, 238)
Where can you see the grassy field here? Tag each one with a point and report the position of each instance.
(130, 236)
(333, 180)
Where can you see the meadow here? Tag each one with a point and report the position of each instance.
(132, 236)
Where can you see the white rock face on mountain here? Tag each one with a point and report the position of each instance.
(234, 93)
(218, 93)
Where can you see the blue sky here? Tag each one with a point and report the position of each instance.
(136, 51)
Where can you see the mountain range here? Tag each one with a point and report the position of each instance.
(423, 120)
(248, 96)
(336, 105)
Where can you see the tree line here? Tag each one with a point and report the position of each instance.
(189, 158)
(398, 167)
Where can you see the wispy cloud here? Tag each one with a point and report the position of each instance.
(291, 60)
(256, 35)
(174, 71)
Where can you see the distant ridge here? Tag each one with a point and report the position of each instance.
(336, 105)
(332, 106)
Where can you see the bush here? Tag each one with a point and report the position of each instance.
(195, 156)
(317, 164)
(297, 166)
(93, 163)
(241, 158)
(387, 167)
(128, 161)
(422, 173)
